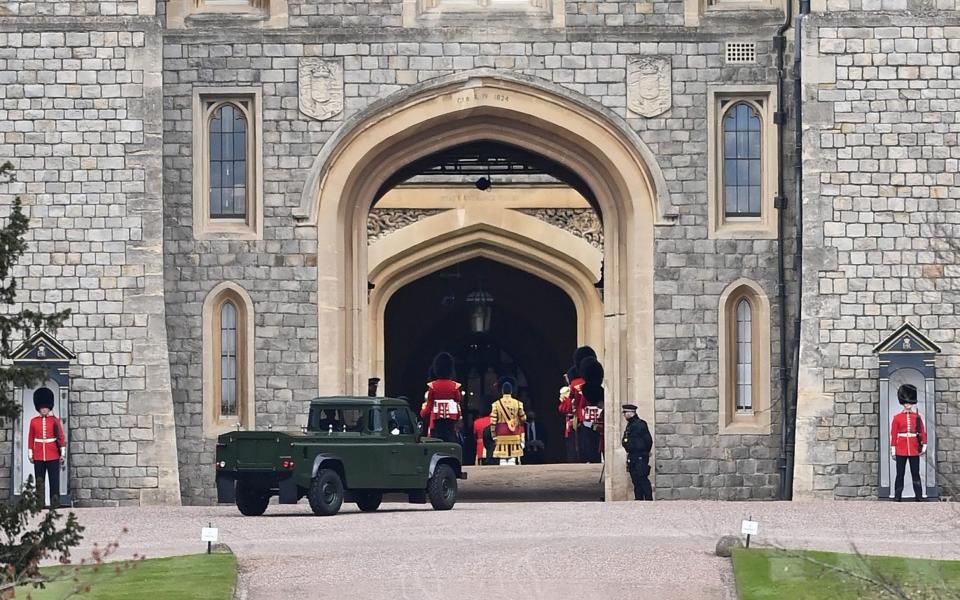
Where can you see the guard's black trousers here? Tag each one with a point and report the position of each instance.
(51, 468)
(638, 466)
(445, 429)
(914, 473)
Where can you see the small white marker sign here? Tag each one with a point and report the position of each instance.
(208, 534)
(750, 527)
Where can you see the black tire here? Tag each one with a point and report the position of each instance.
(369, 501)
(251, 500)
(326, 493)
(442, 488)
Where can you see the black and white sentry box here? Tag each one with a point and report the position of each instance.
(907, 356)
(42, 350)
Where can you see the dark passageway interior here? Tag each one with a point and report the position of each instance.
(496, 320)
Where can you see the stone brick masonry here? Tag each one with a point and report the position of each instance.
(79, 120)
(881, 186)
(96, 113)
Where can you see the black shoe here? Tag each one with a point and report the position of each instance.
(918, 499)
(898, 500)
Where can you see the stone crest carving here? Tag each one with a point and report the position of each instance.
(321, 87)
(649, 85)
(581, 222)
(384, 221)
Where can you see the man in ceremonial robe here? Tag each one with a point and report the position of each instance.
(506, 424)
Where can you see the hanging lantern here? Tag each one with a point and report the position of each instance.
(481, 310)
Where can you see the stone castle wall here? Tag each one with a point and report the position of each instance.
(80, 121)
(880, 248)
(692, 271)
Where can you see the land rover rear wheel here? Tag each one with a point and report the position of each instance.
(251, 500)
(326, 493)
(442, 488)
(369, 501)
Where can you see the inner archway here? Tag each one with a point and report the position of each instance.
(530, 334)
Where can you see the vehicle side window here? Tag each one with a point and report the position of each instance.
(400, 423)
(374, 420)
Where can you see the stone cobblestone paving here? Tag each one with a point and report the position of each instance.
(635, 550)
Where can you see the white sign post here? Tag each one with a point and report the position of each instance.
(749, 527)
(209, 534)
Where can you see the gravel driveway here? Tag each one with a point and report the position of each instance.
(517, 550)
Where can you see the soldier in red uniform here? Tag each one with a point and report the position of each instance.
(46, 445)
(442, 406)
(908, 440)
(590, 432)
(572, 402)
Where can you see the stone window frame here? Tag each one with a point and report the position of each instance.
(205, 101)
(214, 423)
(732, 421)
(693, 10)
(720, 99)
(263, 13)
(421, 13)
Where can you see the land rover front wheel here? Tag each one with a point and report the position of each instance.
(442, 488)
(326, 493)
(369, 501)
(251, 500)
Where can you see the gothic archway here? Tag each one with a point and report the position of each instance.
(524, 112)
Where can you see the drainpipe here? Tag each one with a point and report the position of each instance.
(780, 117)
(798, 236)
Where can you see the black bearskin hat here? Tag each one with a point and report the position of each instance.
(581, 353)
(578, 355)
(907, 394)
(507, 385)
(592, 372)
(43, 398)
(443, 366)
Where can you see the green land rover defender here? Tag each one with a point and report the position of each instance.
(353, 449)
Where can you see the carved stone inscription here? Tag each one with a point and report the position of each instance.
(649, 85)
(321, 87)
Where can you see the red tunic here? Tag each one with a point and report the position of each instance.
(441, 389)
(572, 405)
(479, 427)
(903, 434)
(40, 439)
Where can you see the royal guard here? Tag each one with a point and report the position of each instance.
(46, 445)
(572, 402)
(441, 409)
(908, 441)
(506, 424)
(590, 431)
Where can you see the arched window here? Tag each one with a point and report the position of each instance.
(228, 398)
(228, 162)
(742, 176)
(744, 359)
(744, 345)
(227, 157)
(228, 359)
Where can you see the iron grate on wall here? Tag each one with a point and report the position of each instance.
(741, 52)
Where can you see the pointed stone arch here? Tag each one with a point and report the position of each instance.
(444, 240)
(556, 123)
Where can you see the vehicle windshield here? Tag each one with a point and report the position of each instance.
(335, 420)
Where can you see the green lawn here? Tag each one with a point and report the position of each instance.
(767, 574)
(198, 576)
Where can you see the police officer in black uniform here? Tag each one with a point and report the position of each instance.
(638, 443)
